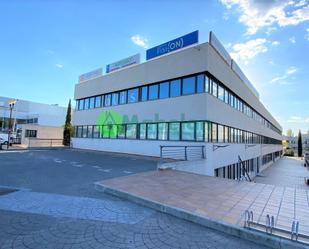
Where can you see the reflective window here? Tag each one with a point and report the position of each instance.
(175, 88)
(144, 93)
(98, 101)
(200, 83)
(121, 131)
(91, 103)
(164, 90)
(207, 132)
(89, 133)
(133, 95)
(113, 130)
(107, 100)
(174, 131)
(207, 88)
(79, 131)
(151, 131)
(142, 131)
(187, 131)
(220, 93)
(115, 99)
(86, 104)
(123, 97)
(214, 89)
(188, 85)
(162, 131)
(226, 96)
(81, 105)
(131, 131)
(85, 128)
(153, 92)
(220, 134)
(96, 131)
(199, 127)
(214, 137)
(105, 131)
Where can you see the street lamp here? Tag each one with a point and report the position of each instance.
(11, 106)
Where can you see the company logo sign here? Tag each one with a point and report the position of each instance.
(90, 75)
(134, 59)
(172, 45)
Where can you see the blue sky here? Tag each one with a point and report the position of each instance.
(46, 45)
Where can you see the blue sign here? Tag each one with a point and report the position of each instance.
(172, 45)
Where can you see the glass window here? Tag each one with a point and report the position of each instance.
(112, 131)
(207, 88)
(200, 83)
(97, 101)
(153, 92)
(207, 132)
(214, 89)
(188, 85)
(226, 96)
(162, 131)
(81, 104)
(164, 90)
(85, 131)
(131, 131)
(151, 131)
(90, 130)
(96, 131)
(123, 97)
(174, 131)
(232, 100)
(220, 134)
(214, 133)
(115, 99)
(187, 131)
(107, 99)
(175, 88)
(79, 131)
(220, 93)
(199, 126)
(142, 131)
(144, 92)
(91, 103)
(121, 131)
(105, 131)
(77, 105)
(226, 134)
(133, 95)
(86, 104)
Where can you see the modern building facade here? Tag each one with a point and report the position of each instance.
(192, 96)
(31, 119)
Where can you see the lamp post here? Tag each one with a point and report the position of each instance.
(11, 106)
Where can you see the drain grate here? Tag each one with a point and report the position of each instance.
(5, 191)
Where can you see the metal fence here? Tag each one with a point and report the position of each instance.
(182, 152)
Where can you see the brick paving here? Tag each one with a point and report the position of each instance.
(57, 207)
(220, 199)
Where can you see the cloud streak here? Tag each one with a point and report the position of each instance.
(140, 41)
(287, 74)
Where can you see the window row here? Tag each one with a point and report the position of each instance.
(183, 86)
(174, 131)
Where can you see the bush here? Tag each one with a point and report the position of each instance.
(289, 152)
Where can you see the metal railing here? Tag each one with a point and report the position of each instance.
(178, 152)
(244, 170)
(270, 228)
(44, 142)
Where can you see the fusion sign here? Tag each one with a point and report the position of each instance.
(134, 59)
(172, 45)
(90, 75)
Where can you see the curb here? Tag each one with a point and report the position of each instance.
(257, 237)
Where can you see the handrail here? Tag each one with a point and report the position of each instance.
(182, 152)
(244, 168)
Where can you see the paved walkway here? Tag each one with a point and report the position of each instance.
(287, 172)
(218, 199)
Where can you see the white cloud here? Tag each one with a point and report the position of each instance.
(283, 79)
(248, 50)
(307, 35)
(256, 14)
(140, 41)
(59, 65)
(292, 39)
(275, 43)
(298, 120)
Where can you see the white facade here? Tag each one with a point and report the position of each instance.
(204, 107)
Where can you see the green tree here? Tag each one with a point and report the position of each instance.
(300, 145)
(289, 133)
(68, 128)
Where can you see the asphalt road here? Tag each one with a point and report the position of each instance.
(48, 200)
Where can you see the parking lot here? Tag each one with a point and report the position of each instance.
(48, 200)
